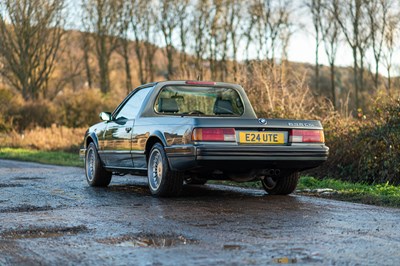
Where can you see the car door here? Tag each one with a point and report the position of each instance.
(118, 134)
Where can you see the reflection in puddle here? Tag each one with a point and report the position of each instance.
(285, 260)
(129, 188)
(232, 247)
(27, 208)
(43, 232)
(147, 241)
(29, 178)
(10, 185)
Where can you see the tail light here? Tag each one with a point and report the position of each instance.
(214, 134)
(308, 136)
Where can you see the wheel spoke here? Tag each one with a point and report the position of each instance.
(161, 180)
(96, 175)
(90, 164)
(156, 173)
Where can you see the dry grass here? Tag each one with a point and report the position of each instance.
(47, 139)
(276, 92)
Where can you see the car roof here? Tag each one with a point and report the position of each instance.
(189, 82)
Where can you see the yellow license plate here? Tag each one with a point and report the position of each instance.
(262, 137)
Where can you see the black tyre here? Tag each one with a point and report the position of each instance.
(96, 175)
(162, 181)
(282, 185)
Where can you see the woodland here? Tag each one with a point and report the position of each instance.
(63, 62)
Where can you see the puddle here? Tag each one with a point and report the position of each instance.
(43, 232)
(27, 208)
(232, 247)
(11, 185)
(156, 241)
(130, 189)
(205, 224)
(284, 260)
(29, 178)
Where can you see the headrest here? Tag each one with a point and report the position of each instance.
(167, 105)
(223, 107)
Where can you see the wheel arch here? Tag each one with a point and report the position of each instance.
(154, 138)
(91, 138)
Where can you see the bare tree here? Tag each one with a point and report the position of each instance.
(234, 20)
(102, 17)
(151, 50)
(86, 47)
(126, 15)
(330, 30)
(30, 37)
(143, 23)
(249, 27)
(378, 11)
(150, 33)
(137, 22)
(69, 70)
(391, 37)
(315, 6)
(184, 25)
(258, 16)
(200, 27)
(279, 24)
(269, 19)
(168, 24)
(214, 36)
(352, 17)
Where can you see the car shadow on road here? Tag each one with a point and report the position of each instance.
(206, 192)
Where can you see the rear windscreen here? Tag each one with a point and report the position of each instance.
(200, 101)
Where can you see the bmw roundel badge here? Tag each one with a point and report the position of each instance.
(262, 121)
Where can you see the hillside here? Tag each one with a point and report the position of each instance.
(272, 88)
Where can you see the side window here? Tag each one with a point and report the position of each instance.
(133, 105)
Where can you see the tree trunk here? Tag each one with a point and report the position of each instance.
(170, 57)
(355, 72)
(86, 60)
(389, 81)
(317, 63)
(333, 87)
(128, 81)
(104, 74)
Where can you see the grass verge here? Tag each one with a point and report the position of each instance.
(381, 194)
(49, 157)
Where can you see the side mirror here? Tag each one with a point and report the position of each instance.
(105, 116)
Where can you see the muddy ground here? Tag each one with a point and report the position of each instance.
(49, 216)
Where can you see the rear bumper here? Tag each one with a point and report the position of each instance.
(298, 157)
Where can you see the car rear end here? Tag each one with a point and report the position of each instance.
(259, 143)
(224, 139)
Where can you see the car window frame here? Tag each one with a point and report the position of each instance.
(116, 112)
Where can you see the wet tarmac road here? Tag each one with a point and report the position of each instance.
(49, 216)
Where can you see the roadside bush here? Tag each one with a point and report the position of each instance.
(7, 99)
(30, 114)
(365, 150)
(81, 109)
(380, 146)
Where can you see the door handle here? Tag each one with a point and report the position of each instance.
(128, 129)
